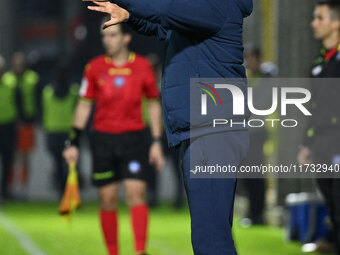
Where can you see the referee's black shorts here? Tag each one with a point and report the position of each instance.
(118, 157)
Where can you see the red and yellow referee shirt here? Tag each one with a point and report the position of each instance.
(118, 92)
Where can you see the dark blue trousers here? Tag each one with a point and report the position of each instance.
(211, 200)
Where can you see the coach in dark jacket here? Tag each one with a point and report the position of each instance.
(203, 40)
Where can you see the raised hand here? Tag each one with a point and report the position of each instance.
(117, 14)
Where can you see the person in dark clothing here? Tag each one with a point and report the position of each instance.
(8, 118)
(26, 85)
(255, 187)
(321, 142)
(59, 99)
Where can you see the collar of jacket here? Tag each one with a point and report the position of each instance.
(328, 54)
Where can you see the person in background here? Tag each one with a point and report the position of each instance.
(117, 82)
(27, 81)
(8, 121)
(59, 99)
(255, 187)
(321, 141)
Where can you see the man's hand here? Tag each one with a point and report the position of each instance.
(156, 156)
(71, 154)
(117, 14)
(304, 156)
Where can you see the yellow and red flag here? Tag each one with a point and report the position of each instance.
(71, 198)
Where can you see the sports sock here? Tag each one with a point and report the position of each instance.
(139, 218)
(109, 224)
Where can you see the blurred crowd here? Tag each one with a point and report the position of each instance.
(19, 111)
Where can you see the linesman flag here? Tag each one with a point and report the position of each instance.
(71, 198)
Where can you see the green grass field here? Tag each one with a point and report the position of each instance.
(169, 233)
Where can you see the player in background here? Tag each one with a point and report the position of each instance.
(117, 82)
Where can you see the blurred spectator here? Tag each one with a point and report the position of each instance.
(59, 99)
(321, 141)
(8, 118)
(255, 188)
(27, 81)
(256, 67)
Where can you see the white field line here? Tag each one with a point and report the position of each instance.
(25, 241)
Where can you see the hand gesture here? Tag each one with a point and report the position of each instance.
(117, 14)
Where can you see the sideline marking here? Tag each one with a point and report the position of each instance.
(25, 241)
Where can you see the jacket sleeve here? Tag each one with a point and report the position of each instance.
(146, 27)
(192, 16)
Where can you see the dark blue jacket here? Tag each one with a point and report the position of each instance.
(203, 39)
